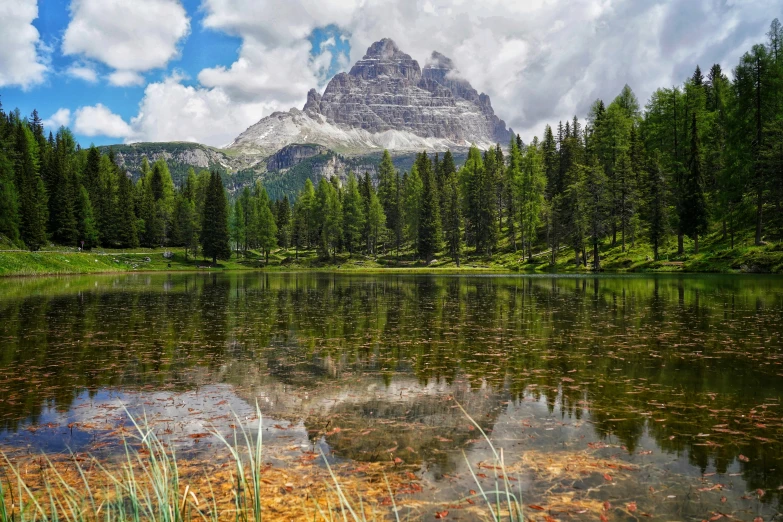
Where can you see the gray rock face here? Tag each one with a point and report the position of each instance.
(292, 155)
(387, 90)
(387, 101)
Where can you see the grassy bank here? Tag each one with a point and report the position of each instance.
(716, 256)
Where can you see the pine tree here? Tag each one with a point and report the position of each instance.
(353, 215)
(328, 209)
(9, 199)
(63, 195)
(596, 206)
(31, 190)
(412, 203)
(452, 218)
(531, 198)
(87, 226)
(283, 221)
(303, 229)
(429, 233)
(656, 206)
(214, 221)
(693, 218)
(266, 229)
(376, 219)
(237, 226)
(126, 222)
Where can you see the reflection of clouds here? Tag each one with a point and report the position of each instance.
(180, 418)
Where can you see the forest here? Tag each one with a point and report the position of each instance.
(704, 157)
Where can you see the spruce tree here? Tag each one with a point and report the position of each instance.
(283, 221)
(266, 228)
(9, 199)
(656, 206)
(353, 215)
(30, 186)
(693, 217)
(429, 233)
(452, 218)
(214, 221)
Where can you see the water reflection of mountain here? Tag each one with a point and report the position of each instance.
(676, 357)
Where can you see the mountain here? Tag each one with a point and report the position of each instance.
(386, 101)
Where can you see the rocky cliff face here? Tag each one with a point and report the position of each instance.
(386, 101)
(292, 155)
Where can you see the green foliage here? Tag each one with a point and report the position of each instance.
(429, 223)
(214, 222)
(353, 215)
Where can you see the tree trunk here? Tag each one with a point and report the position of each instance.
(724, 229)
(696, 244)
(596, 258)
(680, 247)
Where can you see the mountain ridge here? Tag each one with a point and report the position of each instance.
(385, 101)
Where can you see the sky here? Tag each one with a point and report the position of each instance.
(120, 71)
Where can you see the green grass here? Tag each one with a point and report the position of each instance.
(716, 256)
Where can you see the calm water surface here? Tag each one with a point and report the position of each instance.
(659, 390)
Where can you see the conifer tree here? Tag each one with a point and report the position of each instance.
(656, 206)
(429, 233)
(214, 221)
(353, 215)
(376, 219)
(412, 203)
(31, 190)
(266, 229)
(87, 226)
(283, 221)
(693, 217)
(452, 218)
(237, 226)
(9, 199)
(126, 222)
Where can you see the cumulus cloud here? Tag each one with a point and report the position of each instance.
(22, 57)
(83, 72)
(125, 78)
(540, 61)
(131, 37)
(98, 120)
(171, 111)
(61, 118)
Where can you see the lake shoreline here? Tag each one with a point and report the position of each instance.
(742, 260)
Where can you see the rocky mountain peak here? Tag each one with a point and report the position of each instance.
(384, 58)
(387, 101)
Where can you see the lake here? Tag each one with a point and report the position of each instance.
(629, 396)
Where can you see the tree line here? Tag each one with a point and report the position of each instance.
(704, 155)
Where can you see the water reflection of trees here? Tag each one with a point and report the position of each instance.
(670, 356)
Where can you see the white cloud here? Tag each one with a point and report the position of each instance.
(127, 36)
(83, 72)
(22, 57)
(125, 78)
(61, 118)
(540, 61)
(171, 111)
(98, 120)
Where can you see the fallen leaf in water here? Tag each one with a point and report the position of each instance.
(535, 507)
(743, 458)
(441, 514)
(607, 477)
(632, 507)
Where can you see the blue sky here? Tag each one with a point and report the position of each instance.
(202, 48)
(204, 70)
